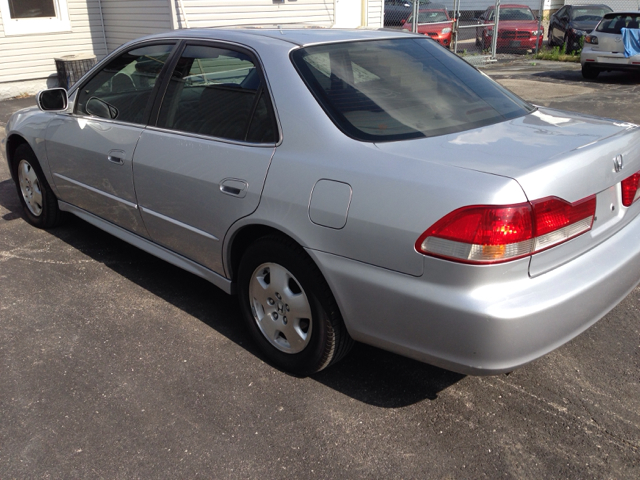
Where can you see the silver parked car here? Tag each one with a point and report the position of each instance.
(348, 185)
(605, 49)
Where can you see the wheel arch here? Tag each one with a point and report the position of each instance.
(13, 142)
(242, 238)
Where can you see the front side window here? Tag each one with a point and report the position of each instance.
(387, 90)
(218, 92)
(21, 17)
(122, 89)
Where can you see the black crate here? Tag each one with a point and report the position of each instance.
(71, 67)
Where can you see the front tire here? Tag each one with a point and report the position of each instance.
(38, 201)
(289, 309)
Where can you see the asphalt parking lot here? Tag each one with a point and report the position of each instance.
(114, 364)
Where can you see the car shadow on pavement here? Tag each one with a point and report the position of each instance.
(368, 374)
(384, 379)
(605, 78)
(9, 200)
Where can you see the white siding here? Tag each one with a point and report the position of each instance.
(31, 57)
(126, 20)
(210, 13)
(375, 14)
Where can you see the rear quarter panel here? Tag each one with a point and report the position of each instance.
(394, 199)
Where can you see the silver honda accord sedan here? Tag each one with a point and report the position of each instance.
(349, 186)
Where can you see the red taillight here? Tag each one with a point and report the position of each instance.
(491, 234)
(630, 189)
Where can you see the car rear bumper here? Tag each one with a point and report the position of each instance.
(483, 320)
(609, 61)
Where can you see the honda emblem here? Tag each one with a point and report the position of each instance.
(618, 163)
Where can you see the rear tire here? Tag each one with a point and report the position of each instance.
(484, 42)
(590, 73)
(288, 307)
(38, 201)
(567, 44)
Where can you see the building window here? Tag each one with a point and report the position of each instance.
(24, 17)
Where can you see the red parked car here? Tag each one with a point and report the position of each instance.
(517, 28)
(434, 22)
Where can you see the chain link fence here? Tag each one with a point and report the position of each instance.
(483, 30)
(569, 22)
(469, 27)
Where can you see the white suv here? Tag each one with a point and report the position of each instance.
(613, 45)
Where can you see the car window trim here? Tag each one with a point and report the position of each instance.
(154, 92)
(265, 88)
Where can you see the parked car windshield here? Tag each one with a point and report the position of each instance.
(432, 16)
(615, 22)
(589, 13)
(516, 14)
(387, 90)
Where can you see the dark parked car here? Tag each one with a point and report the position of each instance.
(572, 22)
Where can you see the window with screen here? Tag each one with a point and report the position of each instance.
(20, 17)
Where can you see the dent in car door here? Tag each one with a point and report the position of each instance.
(205, 164)
(91, 157)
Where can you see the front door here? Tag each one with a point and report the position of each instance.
(91, 150)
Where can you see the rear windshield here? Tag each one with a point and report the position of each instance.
(614, 22)
(589, 14)
(387, 90)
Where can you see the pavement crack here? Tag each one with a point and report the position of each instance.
(5, 256)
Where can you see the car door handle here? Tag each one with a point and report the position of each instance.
(234, 187)
(116, 156)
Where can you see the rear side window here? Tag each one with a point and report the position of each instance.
(387, 90)
(122, 89)
(218, 92)
(615, 22)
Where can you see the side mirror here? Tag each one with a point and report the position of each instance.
(100, 108)
(52, 100)
(403, 21)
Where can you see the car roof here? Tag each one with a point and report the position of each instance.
(509, 5)
(622, 12)
(433, 6)
(296, 36)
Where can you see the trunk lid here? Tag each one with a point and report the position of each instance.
(609, 43)
(549, 153)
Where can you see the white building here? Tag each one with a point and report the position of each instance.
(35, 32)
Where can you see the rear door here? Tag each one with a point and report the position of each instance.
(203, 165)
(91, 150)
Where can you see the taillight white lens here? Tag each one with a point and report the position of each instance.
(499, 233)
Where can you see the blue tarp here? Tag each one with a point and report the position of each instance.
(631, 40)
